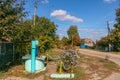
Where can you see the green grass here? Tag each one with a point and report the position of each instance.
(109, 65)
(79, 74)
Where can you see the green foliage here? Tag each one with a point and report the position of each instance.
(24, 32)
(11, 13)
(21, 31)
(45, 27)
(65, 41)
(73, 35)
(103, 42)
(114, 37)
(45, 43)
(44, 31)
(72, 31)
(58, 42)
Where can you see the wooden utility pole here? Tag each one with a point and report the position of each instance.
(109, 31)
(35, 7)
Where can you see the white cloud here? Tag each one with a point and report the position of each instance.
(109, 1)
(92, 33)
(111, 22)
(44, 1)
(64, 16)
(84, 32)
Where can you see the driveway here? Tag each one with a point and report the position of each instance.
(112, 57)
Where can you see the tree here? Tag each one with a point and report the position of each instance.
(45, 30)
(11, 13)
(103, 42)
(45, 43)
(114, 37)
(58, 42)
(73, 35)
(45, 27)
(65, 41)
(76, 40)
(25, 31)
(116, 32)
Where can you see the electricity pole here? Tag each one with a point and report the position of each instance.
(109, 31)
(35, 7)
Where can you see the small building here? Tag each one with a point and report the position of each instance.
(87, 43)
(83, 46)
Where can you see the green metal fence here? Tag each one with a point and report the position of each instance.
(6, 54)
(11, 53)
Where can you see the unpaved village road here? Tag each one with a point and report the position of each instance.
(112, 57)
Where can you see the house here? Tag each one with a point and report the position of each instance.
(87, 43)
(4, 39)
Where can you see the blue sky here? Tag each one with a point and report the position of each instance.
(90, 16)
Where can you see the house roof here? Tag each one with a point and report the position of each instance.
(6, 39)
(88, 40)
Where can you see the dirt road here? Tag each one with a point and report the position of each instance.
(112, 57)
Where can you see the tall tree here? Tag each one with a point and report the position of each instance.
(45, 27)
(11, 13)
(73, 35)
(116, 32)
(45, 31)
(114, 37)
